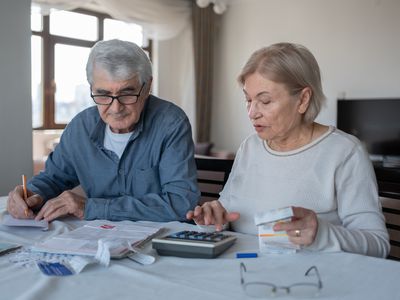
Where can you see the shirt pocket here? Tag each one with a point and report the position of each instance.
(146, 181)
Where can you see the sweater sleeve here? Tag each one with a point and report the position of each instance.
(362, 229)
(59, 174)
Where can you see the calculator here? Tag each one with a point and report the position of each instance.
(193, 244)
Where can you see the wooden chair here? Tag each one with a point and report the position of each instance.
(212, 174)
(391, 210)
(389, 192)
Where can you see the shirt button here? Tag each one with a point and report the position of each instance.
(121, 171)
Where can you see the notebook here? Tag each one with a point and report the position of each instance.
(84, 240)
(8, 220)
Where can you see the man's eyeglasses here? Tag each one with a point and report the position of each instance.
(122, 99)
(261, 289)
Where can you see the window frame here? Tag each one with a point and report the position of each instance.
(48, 49)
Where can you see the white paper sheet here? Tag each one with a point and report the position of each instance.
(8, 220)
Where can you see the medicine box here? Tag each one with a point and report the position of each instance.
(271, 241)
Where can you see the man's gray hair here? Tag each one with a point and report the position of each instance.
(122, 60)
(294, 66)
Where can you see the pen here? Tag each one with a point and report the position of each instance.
(246, 255)
(25, 192)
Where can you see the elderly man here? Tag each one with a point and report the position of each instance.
(132, 154)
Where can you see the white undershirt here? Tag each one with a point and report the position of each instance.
(116, 142)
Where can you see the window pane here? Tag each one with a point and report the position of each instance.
(36, 84)
(73, 25)
(72, 90)
(36, 19)
(114, 29)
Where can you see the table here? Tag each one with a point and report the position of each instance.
(344, 275)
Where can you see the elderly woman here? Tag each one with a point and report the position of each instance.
(324, 173)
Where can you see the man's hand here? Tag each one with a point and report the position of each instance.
(18, 207)
(212, 213)
(67, 203)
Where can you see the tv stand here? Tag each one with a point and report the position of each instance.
(388, 180)
(391, 161)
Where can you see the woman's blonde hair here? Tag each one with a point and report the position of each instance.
(290, 64)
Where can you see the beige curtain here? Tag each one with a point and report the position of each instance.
(161, 19)
(203, 39)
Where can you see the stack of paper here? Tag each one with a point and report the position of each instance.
(84, 240)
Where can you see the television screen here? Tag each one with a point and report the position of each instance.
(376, 122)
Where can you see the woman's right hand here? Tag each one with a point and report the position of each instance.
(212, 213)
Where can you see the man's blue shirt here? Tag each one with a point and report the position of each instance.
(155, 179)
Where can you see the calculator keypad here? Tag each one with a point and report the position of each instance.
(198, 236)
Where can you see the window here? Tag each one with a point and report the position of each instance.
(61, 43)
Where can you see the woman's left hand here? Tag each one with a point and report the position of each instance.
(303, 228)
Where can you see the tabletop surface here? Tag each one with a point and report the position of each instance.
(344, 275)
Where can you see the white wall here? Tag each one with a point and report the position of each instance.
(15, 94)
(356, 42)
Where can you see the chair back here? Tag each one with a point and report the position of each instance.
(389, 191)
(212, 174)
(391, 210)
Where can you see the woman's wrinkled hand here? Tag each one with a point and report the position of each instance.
(212, 213)
(303, 228)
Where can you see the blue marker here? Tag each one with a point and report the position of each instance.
(246, 255)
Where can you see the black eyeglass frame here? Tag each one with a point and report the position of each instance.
(274, 287)
(118, 97)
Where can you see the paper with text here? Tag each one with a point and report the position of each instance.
(84, 240)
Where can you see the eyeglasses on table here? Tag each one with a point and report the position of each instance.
(263, 289)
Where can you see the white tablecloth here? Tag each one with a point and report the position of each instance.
(344, 275)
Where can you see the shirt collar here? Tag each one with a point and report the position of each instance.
(97, 134)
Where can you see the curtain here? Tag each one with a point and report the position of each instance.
(203, 35)
(161, 19)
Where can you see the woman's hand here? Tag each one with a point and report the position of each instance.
(303, 228)
(212, 213)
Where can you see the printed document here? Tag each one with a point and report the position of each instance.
(121, 236)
